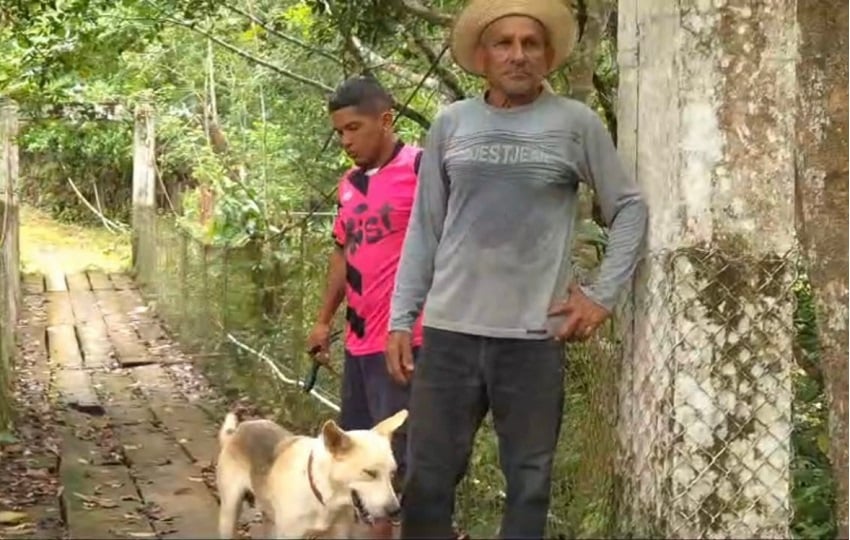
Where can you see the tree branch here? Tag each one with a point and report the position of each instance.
(417, 8)
(251, 58)
(404, 110)
(369, 58)
(285, 37)
(446, 76)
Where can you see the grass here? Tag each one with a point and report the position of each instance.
(47, 243)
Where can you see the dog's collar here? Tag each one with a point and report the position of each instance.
(313, 487)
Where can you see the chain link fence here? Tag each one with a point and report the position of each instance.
(690, 436)
(706, 398)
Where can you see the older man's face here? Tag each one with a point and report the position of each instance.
(514, 55)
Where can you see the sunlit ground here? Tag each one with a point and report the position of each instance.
(46, 243)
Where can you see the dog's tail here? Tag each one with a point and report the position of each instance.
(228, 428)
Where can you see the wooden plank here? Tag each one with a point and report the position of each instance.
(117, 391)
(108, 302)
(94, 343)
(122, 281)
(151, 332)
(189, 425)
(63, 350)
(131, 303)
(78, 282)
(129, 350)
(54, 281)
(85, 308)
(164, 474)
(75, 387)
(59, 308)
(140, 317)
(99, 281)
(100, 500)
(33, 283)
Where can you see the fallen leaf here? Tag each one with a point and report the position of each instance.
(82, 461)
(38, 473)
(19, 529)
(195, 479)
(102, 502)
(141, 534)
(11, 518)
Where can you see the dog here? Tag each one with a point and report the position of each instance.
(331, 486)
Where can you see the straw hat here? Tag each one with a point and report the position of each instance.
(554, 15)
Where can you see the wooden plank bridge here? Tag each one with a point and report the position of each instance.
(135, 454)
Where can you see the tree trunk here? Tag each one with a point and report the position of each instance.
(592, 17)
(821, 123)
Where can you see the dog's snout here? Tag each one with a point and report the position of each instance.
(393, 511)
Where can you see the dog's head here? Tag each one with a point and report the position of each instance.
(362, 463)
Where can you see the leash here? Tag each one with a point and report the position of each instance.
(313, 374)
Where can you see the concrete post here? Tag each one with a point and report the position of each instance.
(705, 424)
(144, 191)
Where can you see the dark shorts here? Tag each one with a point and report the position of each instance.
(370, 395)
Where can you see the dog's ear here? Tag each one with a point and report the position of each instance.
(387, 426)
(336, 440)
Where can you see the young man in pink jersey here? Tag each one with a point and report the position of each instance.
(375, 199)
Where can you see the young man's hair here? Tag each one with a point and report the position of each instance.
(362, 92)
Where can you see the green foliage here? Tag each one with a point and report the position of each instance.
(96, 156)
(813, 489)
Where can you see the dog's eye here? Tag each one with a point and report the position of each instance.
(370, 473)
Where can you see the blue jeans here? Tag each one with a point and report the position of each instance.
(460, 377)
(370, 395)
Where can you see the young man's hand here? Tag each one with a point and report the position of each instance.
(582, 316)
(400, 356)
(319, 342)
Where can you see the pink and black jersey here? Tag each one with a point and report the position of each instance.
(373, 211)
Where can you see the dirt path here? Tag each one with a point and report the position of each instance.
(115, 433)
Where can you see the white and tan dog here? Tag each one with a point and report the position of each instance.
(307, 487)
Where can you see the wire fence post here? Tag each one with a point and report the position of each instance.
(10, 278)
(225, 304)
(183, 287)
(300, 340)
(144, 194)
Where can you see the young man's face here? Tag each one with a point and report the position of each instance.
(362, 133)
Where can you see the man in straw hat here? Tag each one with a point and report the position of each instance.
(489, 246)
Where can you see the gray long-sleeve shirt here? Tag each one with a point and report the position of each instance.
(488, 244)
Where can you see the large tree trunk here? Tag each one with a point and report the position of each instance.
(705, 409)
(822, 206)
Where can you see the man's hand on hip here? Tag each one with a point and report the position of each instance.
(582, 316)
(400, 356)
